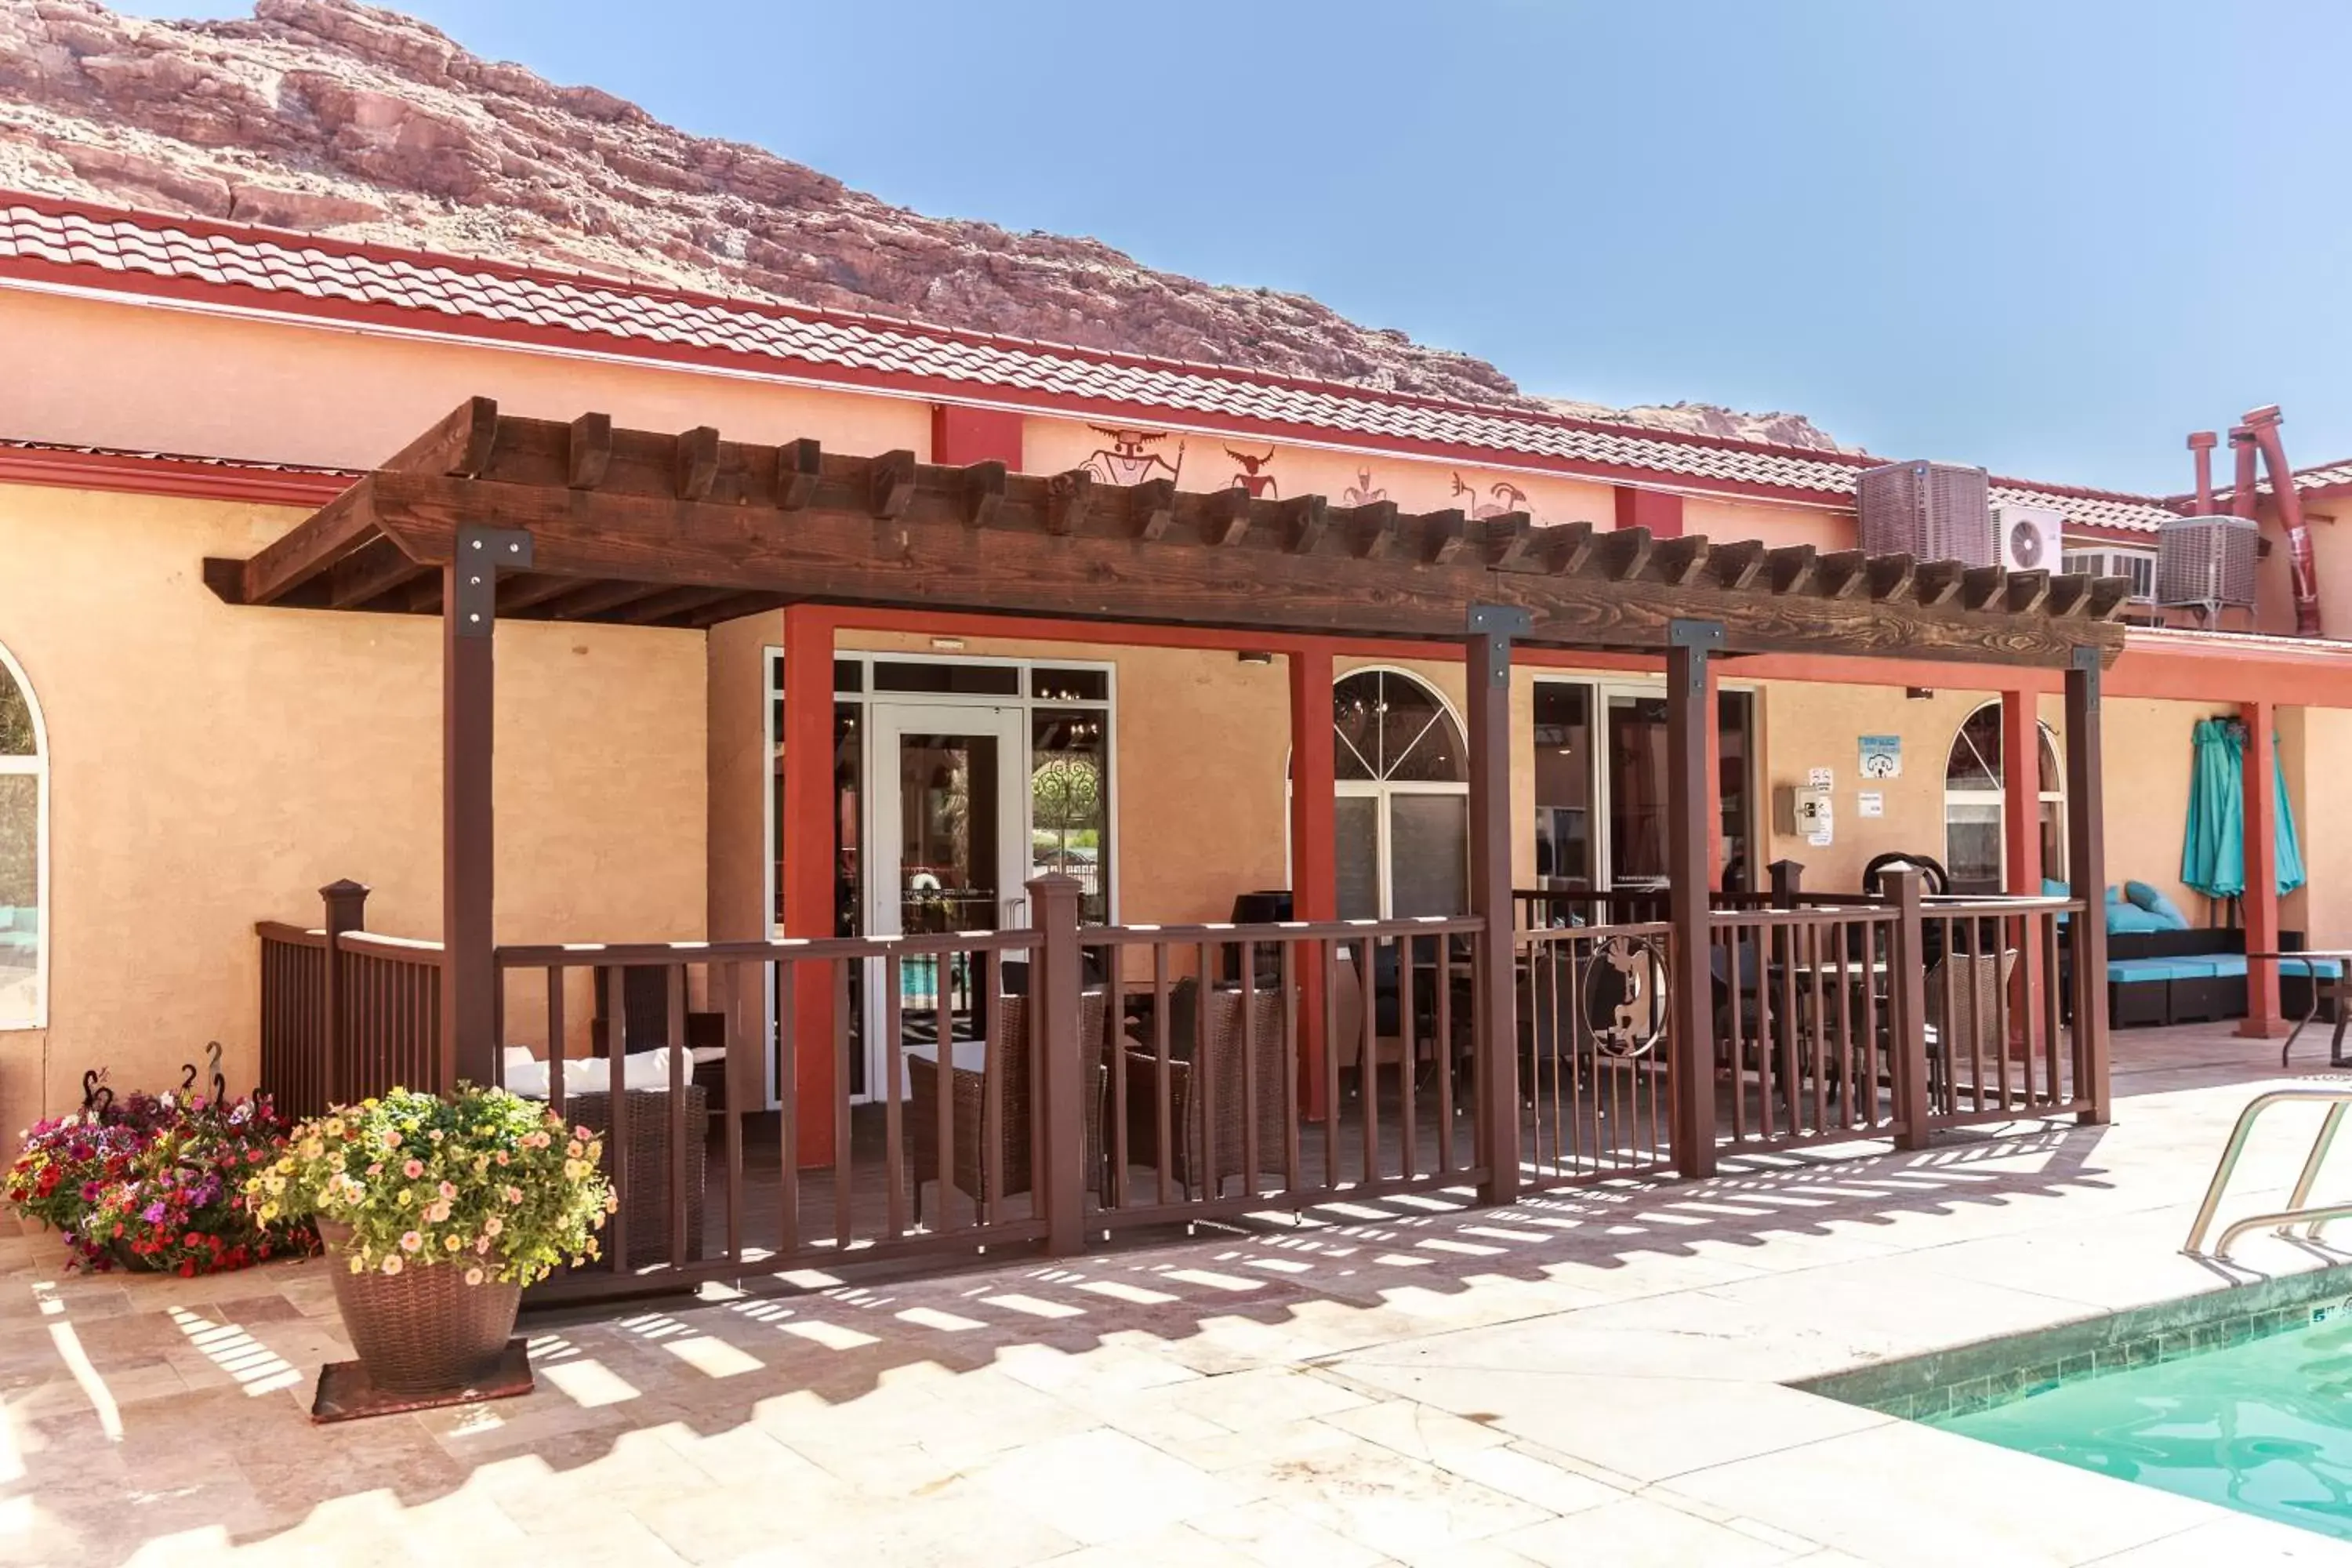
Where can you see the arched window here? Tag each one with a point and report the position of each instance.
(24, 853)
(1976, 849)
(1404, 809)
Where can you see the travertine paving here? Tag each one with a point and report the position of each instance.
(1586, 1378)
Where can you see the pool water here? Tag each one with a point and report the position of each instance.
(2263, 1427)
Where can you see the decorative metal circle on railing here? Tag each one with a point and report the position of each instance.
(1625, 995)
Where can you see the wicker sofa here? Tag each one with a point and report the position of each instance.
(2195, 976)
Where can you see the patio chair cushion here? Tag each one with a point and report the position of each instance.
(2215, 966)
(2135, 971)
(2153, 900)
(2131, 918)
(2310, 968)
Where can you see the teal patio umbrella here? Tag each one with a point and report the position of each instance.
(2214, 848)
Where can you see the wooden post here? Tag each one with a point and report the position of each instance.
(1496, 1044)
(1690, 721)
(1908, 1008)
(2086, 866)
(1716, 865)
(2021, 815)
(469, 970)
(1060, 1062)
(1314, 864)
(2260, 901)
(345, 904)
(1788, 882)
(805, 848)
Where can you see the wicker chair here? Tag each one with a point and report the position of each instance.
(1223, 1148)
(646, 1165)
(1964, 993)
(970, 1111)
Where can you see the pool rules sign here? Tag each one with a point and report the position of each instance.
(1882, 757)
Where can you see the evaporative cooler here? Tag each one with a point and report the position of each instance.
(2207, 563)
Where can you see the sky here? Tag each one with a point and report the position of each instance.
(2049, 237)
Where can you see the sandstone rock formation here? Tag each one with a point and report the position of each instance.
(334, 117)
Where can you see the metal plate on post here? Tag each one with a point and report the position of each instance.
(482, 554)
(1500, 624)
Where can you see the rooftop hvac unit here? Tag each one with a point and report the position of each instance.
(1929, 512)
(2028, 537)
(2208, 561)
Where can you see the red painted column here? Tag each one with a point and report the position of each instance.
(2020, 806)
(961, 435)
(1660, 511)
(807, 852)
(1314, 847)
(2260, 903)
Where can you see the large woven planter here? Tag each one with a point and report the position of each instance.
(423, 1330)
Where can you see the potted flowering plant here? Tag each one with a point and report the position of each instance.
(435, 1213)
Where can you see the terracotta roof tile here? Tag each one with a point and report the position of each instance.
(324, 270)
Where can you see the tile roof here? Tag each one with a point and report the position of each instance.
(302, 271)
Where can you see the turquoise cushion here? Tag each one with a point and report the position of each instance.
(2154, 901)
(2131, 920)
(2130, 971)
(2210, 966)
(2317, 968)
(2051, 888)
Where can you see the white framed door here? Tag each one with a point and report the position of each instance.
(947, 836)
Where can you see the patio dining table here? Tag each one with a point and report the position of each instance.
(2338, 984)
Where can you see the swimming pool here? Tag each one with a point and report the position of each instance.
(2264, 1427)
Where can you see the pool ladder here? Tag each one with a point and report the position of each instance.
(2299, 1210)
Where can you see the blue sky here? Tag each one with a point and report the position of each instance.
(2048, 237)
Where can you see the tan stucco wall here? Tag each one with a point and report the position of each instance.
(214, 766)
(161, 380)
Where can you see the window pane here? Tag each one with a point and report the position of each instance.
(1407, 710)
(1356, 820)
(1070, 684)
(953, 676)
(20, 896)
(1564, 784)
(848, 675)
(1429, 854)
(1637, 791)
(2052, 776)
(1433, 756)
(1069, 801)
(2053, 841)
(1356, 716)
(16, 719)
(1975, 762)
(1972, 845)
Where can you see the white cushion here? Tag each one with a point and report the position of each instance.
(527, 1075)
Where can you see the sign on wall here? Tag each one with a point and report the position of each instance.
(1870, 803)
(1882, 756)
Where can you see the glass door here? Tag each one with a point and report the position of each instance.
(947, 818)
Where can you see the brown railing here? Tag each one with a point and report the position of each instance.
(344, 1012)
(1045, 1086)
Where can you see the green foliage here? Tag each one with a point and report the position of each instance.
(483, 1181)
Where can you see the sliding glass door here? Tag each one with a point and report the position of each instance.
(1602, 795)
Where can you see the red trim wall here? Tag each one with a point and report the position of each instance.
(961, 434)
(2260, 907)
(808, 853)
(1314, 842)
(1660, 511)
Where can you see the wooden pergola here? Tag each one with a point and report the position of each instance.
(488, 516)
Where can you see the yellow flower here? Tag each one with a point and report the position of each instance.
(357, 1266)
(407, 1197)
(452, 1243)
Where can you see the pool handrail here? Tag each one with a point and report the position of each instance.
(2298, 1210)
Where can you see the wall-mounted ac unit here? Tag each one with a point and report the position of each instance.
(1929, 512)
(2114, 561)
(2207, 561)
(2028, 537)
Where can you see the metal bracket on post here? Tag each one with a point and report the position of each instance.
(1499, 623)
(2085, 659)
(482, 554)
(1702, 637)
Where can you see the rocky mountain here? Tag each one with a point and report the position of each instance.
(339, 119)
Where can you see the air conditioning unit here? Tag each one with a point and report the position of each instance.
(2207, 561)
(2028, 537)
(1929, 512)
(2138, 566)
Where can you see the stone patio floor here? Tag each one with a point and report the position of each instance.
(1587, 1378)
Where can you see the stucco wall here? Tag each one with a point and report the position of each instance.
(161, 380)
(212, 766)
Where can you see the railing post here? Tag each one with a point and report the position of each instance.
(1788, 882)
(1690, 721)
(1495, 1021)
(346, 911)
(469, 969)
(1054, 983)
(1907, 998)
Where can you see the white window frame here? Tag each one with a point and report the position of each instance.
(1603, 687)
(37, 766)
(1380, 791)
(1999, 799)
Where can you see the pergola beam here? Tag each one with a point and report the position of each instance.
(629, 514)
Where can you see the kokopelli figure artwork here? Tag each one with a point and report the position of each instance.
(1363, 492)
(1128, 459)
(1253, 479)
(1502, 497)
